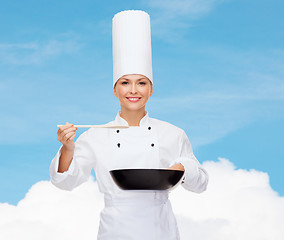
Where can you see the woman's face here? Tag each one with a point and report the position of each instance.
(133, 91)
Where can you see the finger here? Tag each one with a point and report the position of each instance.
(72, 137)
(62, 136)
(67, 130)
(71, 129)
(64, 127)
(173, 167)
(68, 135)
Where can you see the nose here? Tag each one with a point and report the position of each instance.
(133, 89)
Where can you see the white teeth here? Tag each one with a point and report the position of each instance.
(133, 99)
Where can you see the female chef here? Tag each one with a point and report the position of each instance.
(146, 143)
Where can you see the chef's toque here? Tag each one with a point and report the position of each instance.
(131, 42)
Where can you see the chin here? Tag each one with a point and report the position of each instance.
(134, 108)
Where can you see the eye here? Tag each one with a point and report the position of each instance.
(124, 82)
(142, 83)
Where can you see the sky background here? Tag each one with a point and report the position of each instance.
(218, 71)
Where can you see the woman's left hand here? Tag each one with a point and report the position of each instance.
(178, 166)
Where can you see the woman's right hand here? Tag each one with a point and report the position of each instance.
(66, 135)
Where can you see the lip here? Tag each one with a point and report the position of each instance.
(136, 99)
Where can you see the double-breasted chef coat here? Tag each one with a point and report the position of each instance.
(131, 214)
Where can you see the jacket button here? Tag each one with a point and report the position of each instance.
(152, 145)
(149, 128)
(118, 145)
(117, 131)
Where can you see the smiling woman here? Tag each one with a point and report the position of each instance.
(133, 92)
(146, 143)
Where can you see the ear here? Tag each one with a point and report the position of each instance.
(151, 92)
(114, 91)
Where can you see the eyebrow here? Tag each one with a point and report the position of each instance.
(130, 79)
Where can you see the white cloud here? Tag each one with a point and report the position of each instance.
(207, 117)
(170, 18)
(189, 8)
(238, 205)
(36, 52)
(249, 88)
(50, 213)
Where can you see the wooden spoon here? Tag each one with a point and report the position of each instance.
(99, 126)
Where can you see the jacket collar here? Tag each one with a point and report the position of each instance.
(121, 121)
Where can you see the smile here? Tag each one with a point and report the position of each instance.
(132, 99)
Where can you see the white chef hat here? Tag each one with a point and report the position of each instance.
(131, 42)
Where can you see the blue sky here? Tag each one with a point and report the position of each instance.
(218, 69)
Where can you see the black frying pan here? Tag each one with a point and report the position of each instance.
(146, 179)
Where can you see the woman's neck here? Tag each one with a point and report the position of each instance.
(132, 117)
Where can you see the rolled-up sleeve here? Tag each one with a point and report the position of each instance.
(195, 176)
(80, 168)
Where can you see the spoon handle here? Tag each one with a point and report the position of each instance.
(98, 126)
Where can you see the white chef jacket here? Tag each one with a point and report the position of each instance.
(131, 214)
